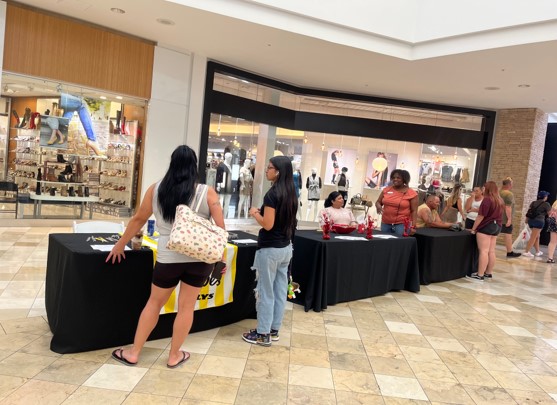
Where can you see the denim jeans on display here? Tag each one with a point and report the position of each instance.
(70, 104)
(271, 265)
(397, 229)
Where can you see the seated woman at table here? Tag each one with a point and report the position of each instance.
(178, 186)
(397, 203)
(335, 211)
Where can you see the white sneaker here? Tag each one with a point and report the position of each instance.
(539, 254)
(527, 254)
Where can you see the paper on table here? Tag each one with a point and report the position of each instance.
(106, 248)
(244, 241)
(384, 236)
(350, 237)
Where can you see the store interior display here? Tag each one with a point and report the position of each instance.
(234, 143)
(80, 143)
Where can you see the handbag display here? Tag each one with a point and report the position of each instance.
(196, 237)
(357, 199)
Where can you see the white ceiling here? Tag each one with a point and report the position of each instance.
(443, 65)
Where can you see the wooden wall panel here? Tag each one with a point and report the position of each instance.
(57, 48)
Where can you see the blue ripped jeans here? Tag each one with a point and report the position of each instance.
(70, 104)
(271, 266)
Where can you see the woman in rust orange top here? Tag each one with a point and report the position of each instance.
(397, 202)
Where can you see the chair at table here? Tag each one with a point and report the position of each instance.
(8, 196)
(98, 226)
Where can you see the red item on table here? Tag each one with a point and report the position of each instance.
(369, 233)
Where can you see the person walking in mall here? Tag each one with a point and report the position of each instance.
(539, 209)
(507, 226)
(486, 228)
(277, 216)
(178, 186)
(552, 229)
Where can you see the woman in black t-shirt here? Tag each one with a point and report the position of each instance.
(277, 217)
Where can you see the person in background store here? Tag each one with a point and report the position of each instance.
(277, 216)
(541, 208)
(397, 203)
(552, 229)
(178, 186)
(335, 211)
(508, 212)
(343, 184)
(472, 206)
(486, 228)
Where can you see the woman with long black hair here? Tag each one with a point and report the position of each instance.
(178, 186)
(277, 216)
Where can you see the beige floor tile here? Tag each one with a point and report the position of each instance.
(435, 371)
(530, 397)
(404, 339)
(434, 331)
(15, 341)
(164, 383)
(309, 328)
(24, 365)
(391, 366)
(317, 377)
(518, 381)
(229, 348)
(493, 362)
(488, 395)
(257, 392)
(213, 388)
(377, 336)
(279, 354)
(339, 320)
(113, 377)
(354, 381)
(306, 341)
(187, 401)
(90, 395)
(149, 399)
(400, 387)
(348, 361)
(445, 392)
(447, 344)
(309, 357)
(190, 366)
(68, 371)
(194, 344)
(404, 401)
(266, 371)
(547, 383)
(345, 346)
(412, 353)
(474, 376)
(384, 350)
(300, 395)
(222, 366)
(40, 392)
(9, 384)
(344, 332)
(98, 356)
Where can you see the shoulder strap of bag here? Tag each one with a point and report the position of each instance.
(201, 197)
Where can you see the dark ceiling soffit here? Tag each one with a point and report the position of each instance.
(227, 104)
(215, 67)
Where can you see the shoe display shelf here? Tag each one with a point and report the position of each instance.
(27, 158)
(118, 173)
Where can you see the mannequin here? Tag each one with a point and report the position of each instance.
(224, 181)
(246, 188)
(297, 176)
(313, 184)
(211, 176)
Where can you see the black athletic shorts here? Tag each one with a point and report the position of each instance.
(507, 229)
(168, 275)
(491, 229)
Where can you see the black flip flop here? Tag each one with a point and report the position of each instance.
(117, 355)
(184, 359)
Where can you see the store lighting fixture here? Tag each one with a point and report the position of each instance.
(306, 139)
(323, 143)
(165, 21)
(118, 10)
(358, 155)
(118, 97)
(102, 97)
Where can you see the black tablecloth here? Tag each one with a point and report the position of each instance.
(92, 305)
(445, 255)
(335, 270)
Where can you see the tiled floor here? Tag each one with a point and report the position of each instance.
(459, 342)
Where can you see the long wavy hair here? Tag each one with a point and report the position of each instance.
(287, 202)
(491, 191)
(455, 195)
(179, 183)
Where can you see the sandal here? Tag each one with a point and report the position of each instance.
(118, 355)
(185, 357)
(550, 261)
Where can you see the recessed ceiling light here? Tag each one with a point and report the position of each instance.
(491, 88)
(119, 97)
(523, 85)
(117, 10)
(165, 21)
(102, 97)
